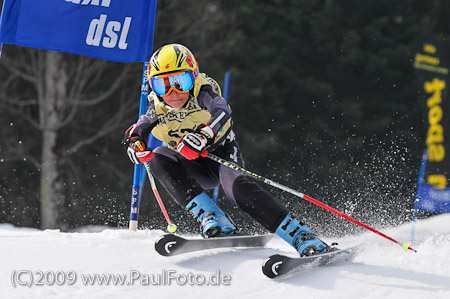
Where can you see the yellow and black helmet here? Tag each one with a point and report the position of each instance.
(172, 58)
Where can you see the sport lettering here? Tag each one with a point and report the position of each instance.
(435, 136)
(427, 59)
(97, 32)
(435, 87)
(103, 33)
(435, 115)
(104, 3)
(437, 180)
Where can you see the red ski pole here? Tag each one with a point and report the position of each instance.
(221, 161)
(171, 227)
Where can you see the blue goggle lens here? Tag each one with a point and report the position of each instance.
(182, 82)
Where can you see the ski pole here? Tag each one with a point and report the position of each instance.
(228, 164)
(171, 227)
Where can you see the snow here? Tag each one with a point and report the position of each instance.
(382, 269)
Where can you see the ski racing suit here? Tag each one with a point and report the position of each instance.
(184, 179)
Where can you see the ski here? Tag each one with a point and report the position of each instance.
(278, 265)
(169, 244)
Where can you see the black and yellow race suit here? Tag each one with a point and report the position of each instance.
(205, 105)
(184, 179)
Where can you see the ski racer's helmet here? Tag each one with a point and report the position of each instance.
(172, 58)
(168, 61)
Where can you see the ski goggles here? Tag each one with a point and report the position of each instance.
(181, 82)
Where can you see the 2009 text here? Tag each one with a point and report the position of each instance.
(32, 278)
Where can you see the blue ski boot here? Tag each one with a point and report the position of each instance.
(213, 220)
(300, 237)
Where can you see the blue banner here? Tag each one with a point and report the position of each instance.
(432, 68)
(117, 30)
(432, 199)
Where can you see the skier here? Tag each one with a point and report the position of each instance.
(187, 112)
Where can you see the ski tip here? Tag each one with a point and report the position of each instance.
(166, 245)
(271, 266)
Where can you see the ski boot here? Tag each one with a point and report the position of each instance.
(213, 220)
(300, 237)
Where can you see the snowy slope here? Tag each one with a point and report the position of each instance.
(381, 270)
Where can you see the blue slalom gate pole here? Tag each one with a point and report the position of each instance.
(225, 96)
(419, 184)
(140, 171)
(136, 190)
(226, 85)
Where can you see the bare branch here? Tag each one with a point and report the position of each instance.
(25, 116)
(103, 96)
(18, 152)
(19, 102)
(74, 169)
(9, 80)
(84, 76)
(18, 69)
(68, 119)
(107, 127)
(74, 91)
(116, 171)
(33, 161)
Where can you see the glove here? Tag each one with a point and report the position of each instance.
(191, 145)
(138, 152)
(135, 146)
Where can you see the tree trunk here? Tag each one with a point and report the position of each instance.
(51, 113)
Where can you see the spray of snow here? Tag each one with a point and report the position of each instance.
(381, 269)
